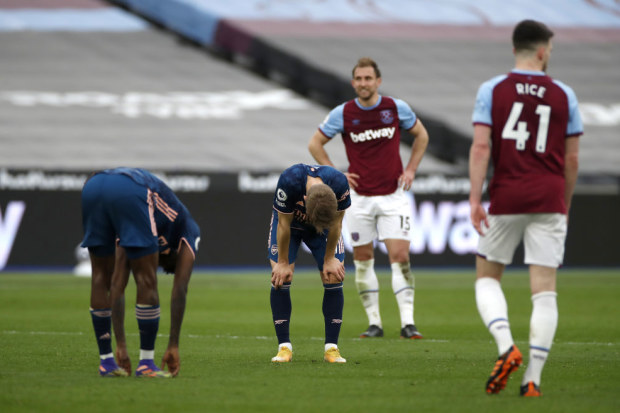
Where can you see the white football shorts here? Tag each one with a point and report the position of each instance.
(379, 217)
(543, 238)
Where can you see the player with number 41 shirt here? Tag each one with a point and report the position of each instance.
(529, 125)
(530, 116)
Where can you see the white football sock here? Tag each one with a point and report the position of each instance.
(403, 286)
(368, 288)
(543, 324)
(494, 312)
(330, 345)
(147, 354)
(287, 345)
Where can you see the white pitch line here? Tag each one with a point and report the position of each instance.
(231, 337)
(44, 333)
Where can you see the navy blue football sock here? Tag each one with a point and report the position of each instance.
(102, 324)
(333, 303)
(281, 309)
(148, 324)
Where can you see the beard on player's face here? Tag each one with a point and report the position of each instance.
(365, 92)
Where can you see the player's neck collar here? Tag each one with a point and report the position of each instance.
(528, 72)
(359, 105)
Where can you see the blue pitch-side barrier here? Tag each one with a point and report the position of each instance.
(111, 19)
(557, 13)
(199, 19)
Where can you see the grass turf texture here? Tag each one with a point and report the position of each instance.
(49, 354)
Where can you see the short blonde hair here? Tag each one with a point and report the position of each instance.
(367, 62)
(321, 206)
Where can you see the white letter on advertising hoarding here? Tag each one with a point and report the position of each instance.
(8, 228)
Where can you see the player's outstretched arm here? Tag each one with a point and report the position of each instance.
(120, 278)
(182, 275)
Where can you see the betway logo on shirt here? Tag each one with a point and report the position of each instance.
(371, 134)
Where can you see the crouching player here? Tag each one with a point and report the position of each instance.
(132, 222)
(309, 205)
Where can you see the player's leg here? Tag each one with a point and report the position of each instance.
(101, 313)
(148, 311)
(544, 251)
(493, 310)
(333, 305)
(280, 298)
(403, 285)
(393, 226)
(281, 309)
(367, 285)
(543, 325)
(99, 238)
(333, 296)
(495, 251)
(362, 225)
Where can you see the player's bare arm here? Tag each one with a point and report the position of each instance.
(479, 155)
(282, 271)
(418, 149)
(182, 275)
(332, 267)
(571, 167)
(318, 152)
(120, 278)
(316, 146)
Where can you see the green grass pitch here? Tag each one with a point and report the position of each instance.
(49, 354)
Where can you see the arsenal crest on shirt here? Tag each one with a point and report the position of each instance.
(387, 116)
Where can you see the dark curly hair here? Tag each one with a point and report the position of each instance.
(168, 261)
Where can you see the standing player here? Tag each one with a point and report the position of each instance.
(370, 127)
(132, 221)
(529, 125)
(308, 206)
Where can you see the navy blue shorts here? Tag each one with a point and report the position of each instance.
(114, 206)
(314, 241)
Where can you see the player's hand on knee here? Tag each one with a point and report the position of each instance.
(280, 274)
(333, 270)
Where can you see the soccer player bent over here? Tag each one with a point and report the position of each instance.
(370, 126)
(308, 206)
(528, 124)
(133, 222)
